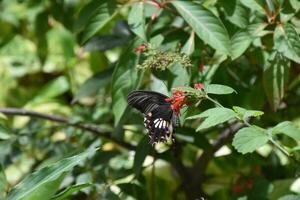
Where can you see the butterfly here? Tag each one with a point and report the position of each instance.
(159, 118)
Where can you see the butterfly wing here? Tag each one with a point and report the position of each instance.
(146, 101)
(159, 118)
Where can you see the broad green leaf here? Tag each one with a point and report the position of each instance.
(235, 12)
(3, 183)
(240, 42)
(271, 5)
(42, 184)
(258, 30)
(214, 116)
(287, 128)
(275, 78)
(290, 197)
(52, 89)
(287, 11)
(92, 85)
(242, 39)
(189, 46)
(85, 14)
(206, 25)
(218, 89)
(136, 20)
(244, 113)
(96, 16)
(141, 152)
(125, 79)
(71, 190)
(47, 190)
(287, 41)
(257, 5)
(295, 4)
(246, 140)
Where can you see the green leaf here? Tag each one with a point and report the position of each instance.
(125, 79)
(275, 78)
(141, 152)
(100, 13)
(70, 190)
(295, 4)
(52, 89)
(92, 85)
(3, 183)
(246, 140)
(287, 41)
(244, 114)
(257, 5)
(242, 39)
(290, 197)
(5, 133)
(189, 46)
(136, 20)
(214, 116)
(43, 183)
(258, 30)
(218, 89)
(287, 128)
(235, 12)
(206, 25)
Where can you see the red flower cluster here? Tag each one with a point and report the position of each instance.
(177, 101)
(180, 99)
(140, 48)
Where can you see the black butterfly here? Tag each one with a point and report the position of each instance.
(159, 118)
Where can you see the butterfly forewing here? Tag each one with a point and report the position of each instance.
(159, 118)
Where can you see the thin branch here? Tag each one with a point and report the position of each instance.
(55, 118)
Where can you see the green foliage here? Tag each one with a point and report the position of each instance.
(218, 89)
(214, 116)
(206, 25)
(248, 139)
(71, 190)
(45, 182)
(231, 66)
(287, 128)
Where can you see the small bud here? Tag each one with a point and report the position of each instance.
(140, 48)
(198, 86)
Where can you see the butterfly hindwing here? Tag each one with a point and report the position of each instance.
(159, 118)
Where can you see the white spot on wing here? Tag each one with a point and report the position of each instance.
(164, 124)
(170, 127)
(160, 124)
(156, 124)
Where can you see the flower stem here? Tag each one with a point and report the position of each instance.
(214, 101)
(279, 147)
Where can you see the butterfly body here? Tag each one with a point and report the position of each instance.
(159, 118)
